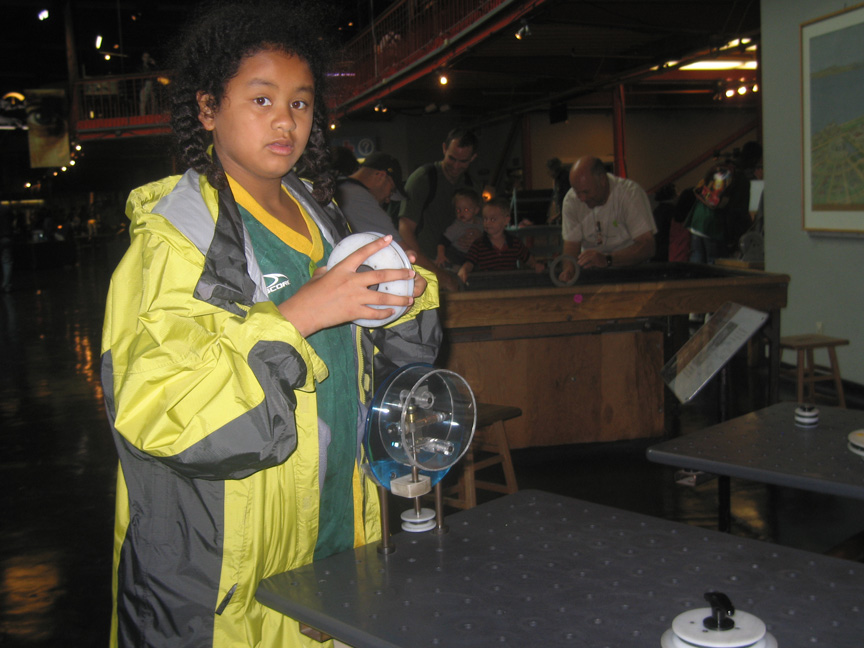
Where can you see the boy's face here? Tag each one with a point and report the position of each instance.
(263, 122)
(494, 220)
(466, 209)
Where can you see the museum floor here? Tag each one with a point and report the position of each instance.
(58, 465)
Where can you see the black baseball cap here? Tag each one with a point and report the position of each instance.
(384, 162)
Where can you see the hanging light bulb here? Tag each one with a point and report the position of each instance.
(524, 30)
(443, 77)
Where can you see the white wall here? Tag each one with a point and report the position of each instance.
(657, 142)
(826, 281)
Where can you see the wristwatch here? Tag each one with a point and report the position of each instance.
(608, 260)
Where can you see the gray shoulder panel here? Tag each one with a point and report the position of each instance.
(185, 209)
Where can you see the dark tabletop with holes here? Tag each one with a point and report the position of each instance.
(767, 446)
(535, 569)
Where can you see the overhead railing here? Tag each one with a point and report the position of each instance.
(409, 34)
(404, 39)
(121, 106)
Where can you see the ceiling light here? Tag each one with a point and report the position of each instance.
(13, 97)
(443, 77)
(524, 30)
(43, 15)
(729, 92)
(98, 41)
(726, 64)
(380, 107)
(736, 42)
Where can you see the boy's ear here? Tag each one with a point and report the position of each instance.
(206, 113)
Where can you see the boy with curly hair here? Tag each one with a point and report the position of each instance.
(235, 383)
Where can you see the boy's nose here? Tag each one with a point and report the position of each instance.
(284, 121)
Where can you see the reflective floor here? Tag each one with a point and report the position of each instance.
(57, 465)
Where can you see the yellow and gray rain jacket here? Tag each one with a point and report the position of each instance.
(211, 395)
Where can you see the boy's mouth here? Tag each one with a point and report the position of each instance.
(281, 147)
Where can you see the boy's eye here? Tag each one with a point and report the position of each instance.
(263, 101)
(299, 104)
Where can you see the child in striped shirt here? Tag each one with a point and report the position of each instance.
(497, 249)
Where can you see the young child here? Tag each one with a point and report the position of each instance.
(463, 231)
(497, 249)
(234, 383)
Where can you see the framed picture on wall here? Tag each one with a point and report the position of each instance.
(832, 90)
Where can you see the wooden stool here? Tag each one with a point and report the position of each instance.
(489, 436)
(809, 373)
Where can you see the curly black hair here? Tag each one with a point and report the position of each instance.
(207, 56)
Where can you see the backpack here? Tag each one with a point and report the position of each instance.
(432, 174)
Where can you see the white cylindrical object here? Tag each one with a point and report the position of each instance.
(390, 258)
(688, 631)
(806, 416)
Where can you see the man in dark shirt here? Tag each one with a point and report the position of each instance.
(428, 206)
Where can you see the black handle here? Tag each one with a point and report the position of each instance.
(721, 610)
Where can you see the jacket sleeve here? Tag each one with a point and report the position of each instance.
(208, 392)
(414, 337)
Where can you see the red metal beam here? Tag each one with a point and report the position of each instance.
(618, 117)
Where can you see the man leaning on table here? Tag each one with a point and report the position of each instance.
(607, 220)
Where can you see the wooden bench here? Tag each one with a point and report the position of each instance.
(489, 437)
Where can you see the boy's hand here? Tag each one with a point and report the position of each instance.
(341, 294)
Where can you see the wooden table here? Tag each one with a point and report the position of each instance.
(535, 569)
(583, 362)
